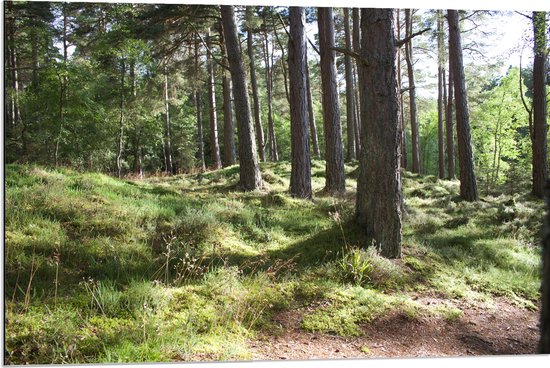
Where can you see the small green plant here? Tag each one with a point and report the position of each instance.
(356, 266)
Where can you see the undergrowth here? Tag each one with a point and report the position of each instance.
(175, 268)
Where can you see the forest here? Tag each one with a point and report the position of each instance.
(223, 182)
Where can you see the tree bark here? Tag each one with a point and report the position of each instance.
(300, 175)
(254, 85)
(440, 100)
(412, 95)
(540, 161)
(335, 177)
(449, 126)
(250, 177)
(379, 191)
(351, 118)
(214, 145)
(468, 185)
(311, 115)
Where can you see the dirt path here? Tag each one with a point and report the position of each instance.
(498, 328)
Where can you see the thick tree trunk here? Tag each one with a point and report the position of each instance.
(250, 175)
(351, 118)
(214, 145)
(379, 192)
(311, 115)
(300, 175)
(468, 185)
(440, 100)
(540, 161)
(449, 126)
(254, 85)
(412, 96)
(167, 133)
(272, 138)
(335, 177)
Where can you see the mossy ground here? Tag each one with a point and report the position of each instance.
(171, 268)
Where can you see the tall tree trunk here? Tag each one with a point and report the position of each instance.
(250, 177)
(440, 100)
(412, 96)
(351, 118)
(268, 58)
(356, 42)
(198, 108)
(335, 177)
(200, 134)
(449, 125)
(379, 191)
(540, 161)
(167, 130)
(468, 185)
(63, 91)
(311, 115)
(300, 175)
(228, 123)
(120, 134)
(229, 155)
(254, 85)
(402, 124)
(282, 60)
(214, 145)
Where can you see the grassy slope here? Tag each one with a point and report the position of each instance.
(106, 270)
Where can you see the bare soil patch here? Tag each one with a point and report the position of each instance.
(495, 328)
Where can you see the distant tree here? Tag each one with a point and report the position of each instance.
(449, 125)
(539, 129)
(214, 145)
(335, 177)
(249, 171)
(300, 175)
(268, 60)
(440, 92)
(229, 155)
(379, 192)
(167, 131)
(311, 115)
(468, 185)
(254, 82)
(198, 106)
(412, 94)
(351, 117)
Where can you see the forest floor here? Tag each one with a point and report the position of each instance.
(187, 268)
(498, 328)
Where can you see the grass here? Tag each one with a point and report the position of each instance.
(183, 268)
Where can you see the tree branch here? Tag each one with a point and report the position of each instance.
(400, 43)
